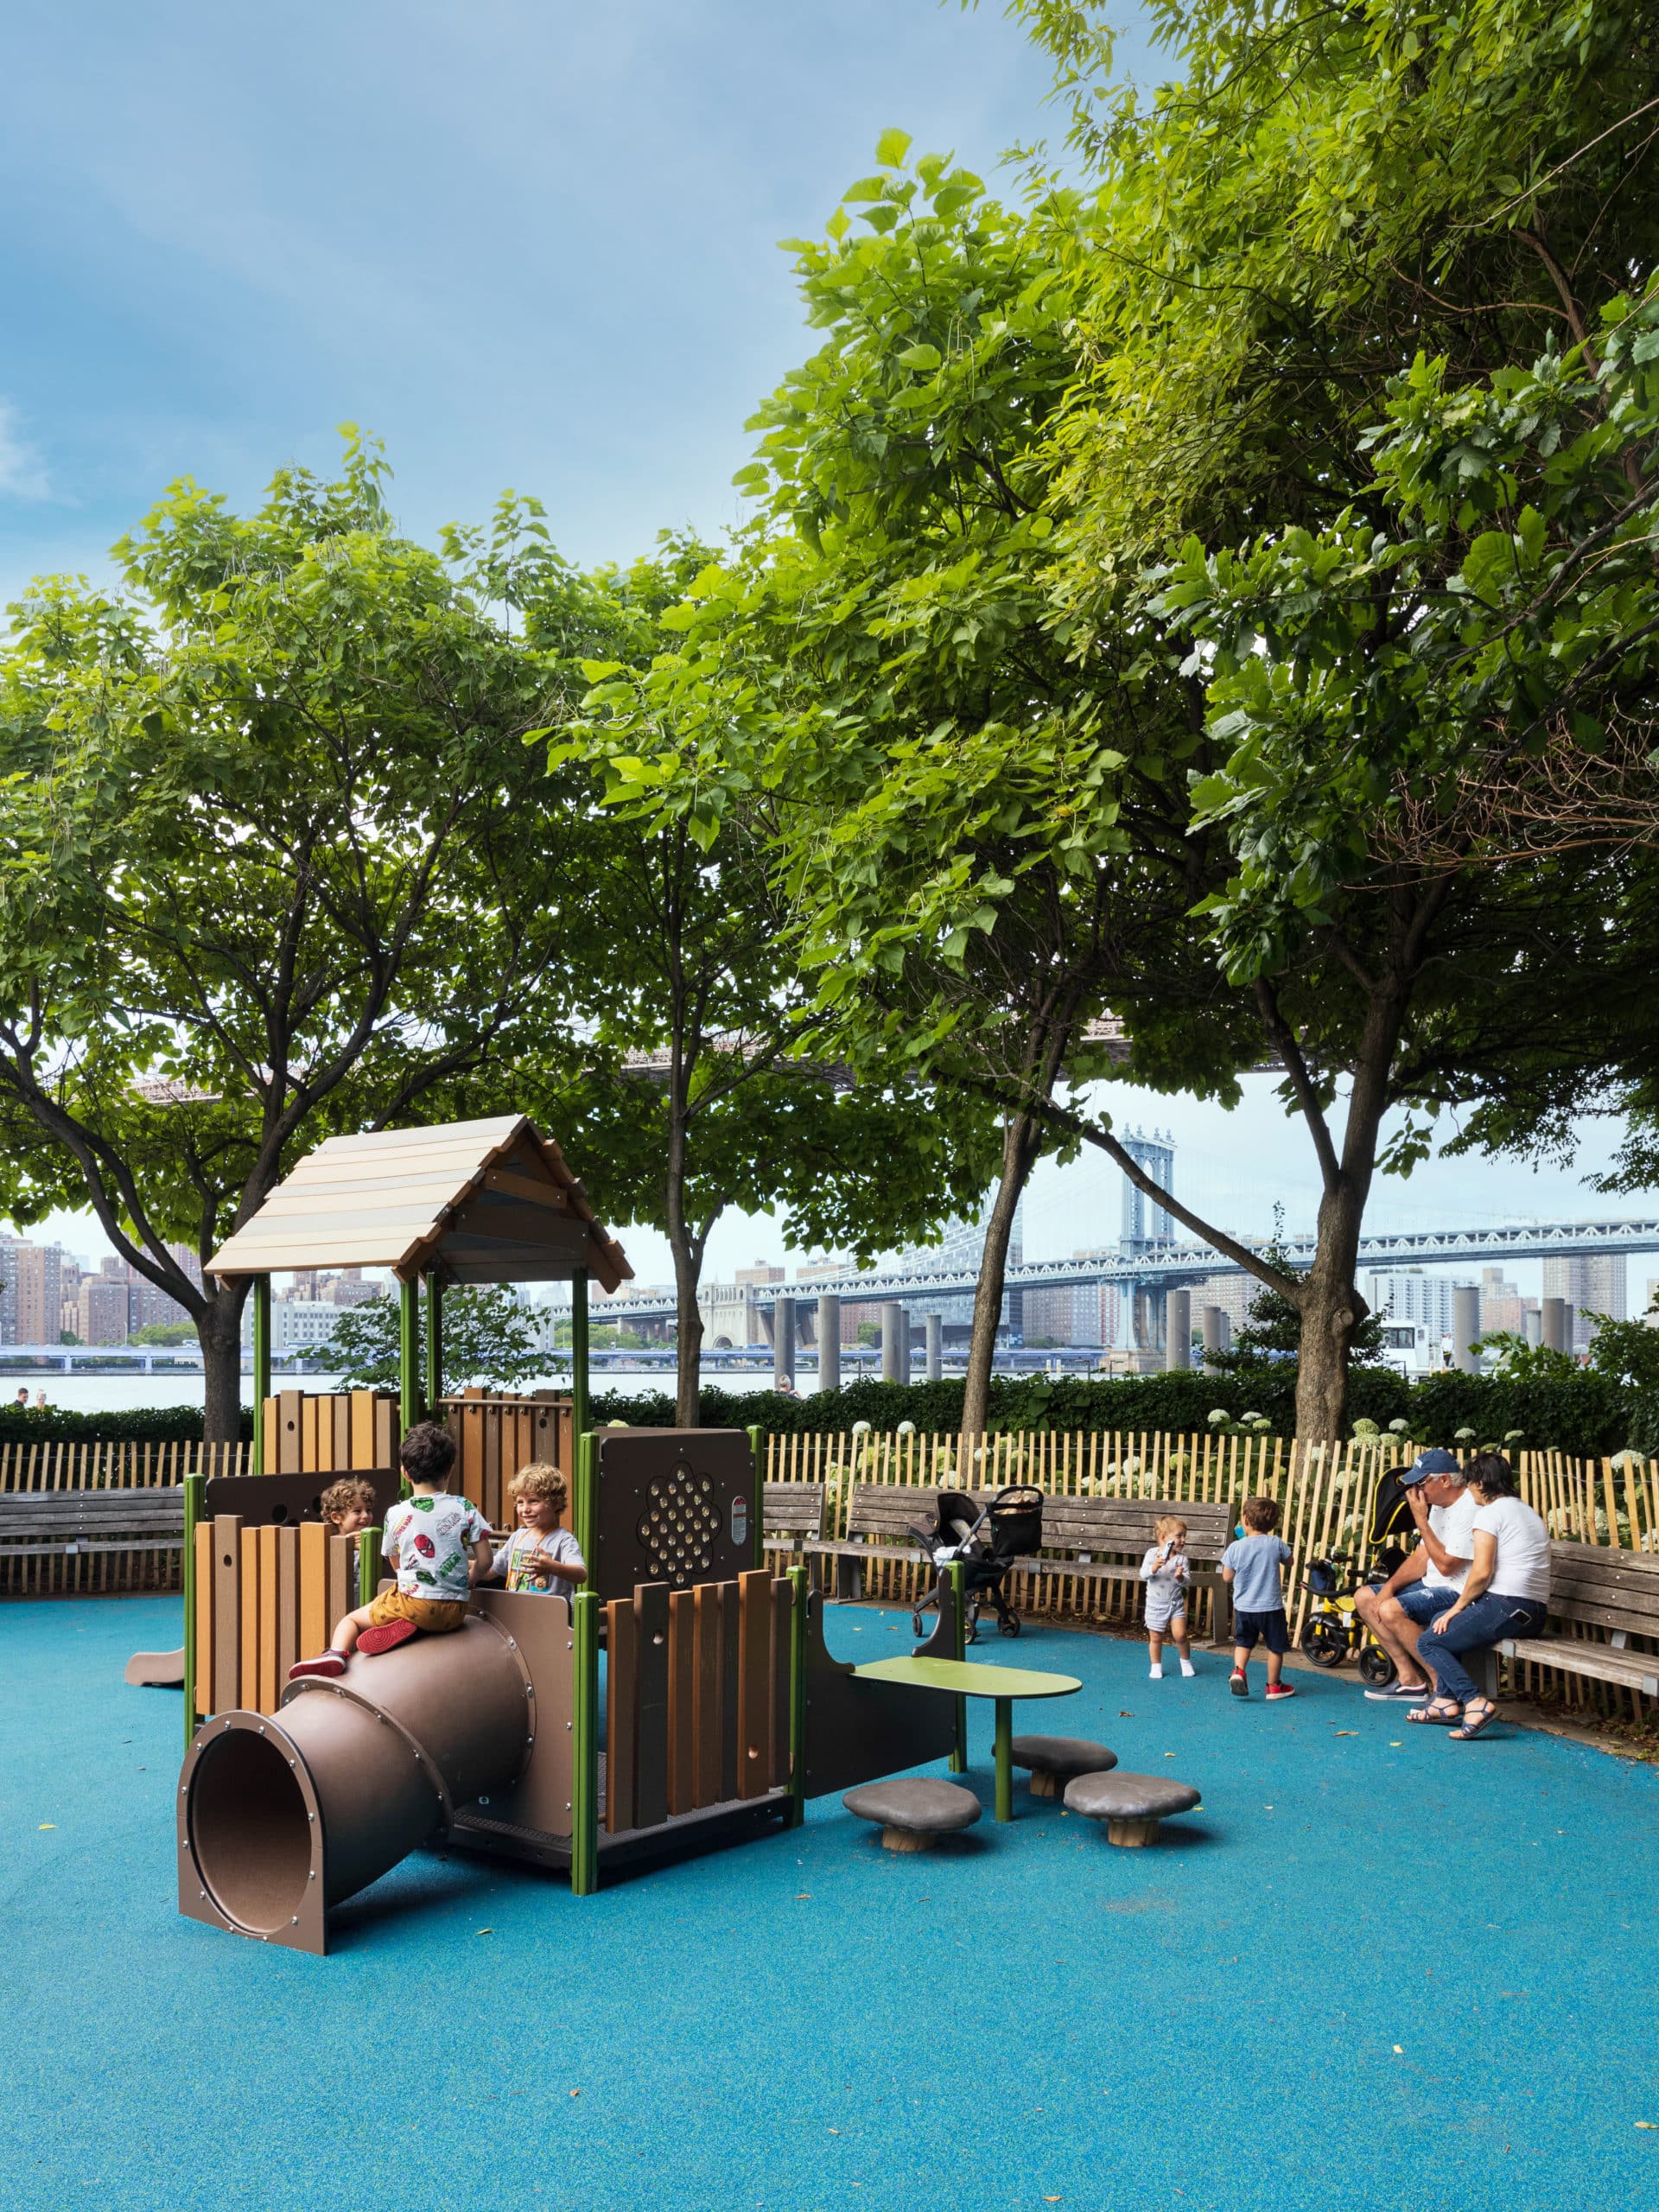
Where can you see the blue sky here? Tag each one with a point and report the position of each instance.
(527, 246)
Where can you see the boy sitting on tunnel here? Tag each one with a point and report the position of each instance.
(439, 1546)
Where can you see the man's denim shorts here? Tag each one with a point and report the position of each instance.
(1422, 1604)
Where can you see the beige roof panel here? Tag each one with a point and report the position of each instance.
(490, 1201)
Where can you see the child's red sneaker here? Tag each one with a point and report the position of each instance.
(327, 1663)
(1278, 1690)
(386, 1638)
(1238, 1686)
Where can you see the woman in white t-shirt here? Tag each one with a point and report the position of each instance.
(1505, 1592)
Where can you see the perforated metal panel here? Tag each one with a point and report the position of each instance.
(673, 1505)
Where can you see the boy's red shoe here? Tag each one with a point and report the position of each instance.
(1278, 1689)
(327, 1664)
(1238, 1686)
(386, 1637)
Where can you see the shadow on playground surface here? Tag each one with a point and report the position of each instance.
(1417, 1974)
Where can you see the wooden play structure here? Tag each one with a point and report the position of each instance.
(717, 1710)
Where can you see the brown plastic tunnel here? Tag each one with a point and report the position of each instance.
(281, 1817)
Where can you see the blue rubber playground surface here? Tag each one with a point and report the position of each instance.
(1375, 1969)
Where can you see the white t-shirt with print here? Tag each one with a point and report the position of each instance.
(524, 1546)
(430, 1535)
(1453, 1525)
(1521, 1568)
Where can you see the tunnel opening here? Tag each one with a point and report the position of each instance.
(250, 1835)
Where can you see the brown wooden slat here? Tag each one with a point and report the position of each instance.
(783, 1598)
(314, 1621)
(621, 1708)
(651, 1731)
(268, 1630)
(207, 1583)
(707, 1699)
(340, 1555)
(289, 1444)
(362, 1430)
(339, 1457)
(223, 1666)
(730, 1684)
(754, 1733)
(288, 1607)
(247, 1556)
(682, 1702)
(269, 1415)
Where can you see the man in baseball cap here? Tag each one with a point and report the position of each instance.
(1443, 1508)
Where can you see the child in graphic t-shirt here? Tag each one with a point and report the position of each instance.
(1164, 1571)
(1253, 1567)
(539, 1554)
(438, 1545)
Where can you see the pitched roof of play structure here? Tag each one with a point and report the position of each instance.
(472, 1201)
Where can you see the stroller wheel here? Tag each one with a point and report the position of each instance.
(1325, 1644)
(915, 1623)
(1009, 1627)
(1376, 1666)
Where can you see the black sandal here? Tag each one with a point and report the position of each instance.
(1439, 1712)
(1469, 1730)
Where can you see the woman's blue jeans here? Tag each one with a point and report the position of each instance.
(1478, 1625)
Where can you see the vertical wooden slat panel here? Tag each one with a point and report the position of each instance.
(651, 1733)
(488, 1498)
(266, 1655)
(342, 1586)
(682, 1702)
(316, 1622)
(269, 1413)
(621, 1696)
(472, 1450)
(247, 1555)
(225, 1656)
(310, 1446)
(339, 1457)
(204, 1588)
(288, 1608)
(753, 1738)
(289, 1443)
(707, 1700)
(362, 1429)
(730, 1624)
(782, 1613)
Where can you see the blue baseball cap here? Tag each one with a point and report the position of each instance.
(1432, 1462)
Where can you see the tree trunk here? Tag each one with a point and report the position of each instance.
(219, 1332)
(688, 1363)
(1021, 1141)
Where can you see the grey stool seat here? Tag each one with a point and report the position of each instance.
(1055, 1760)
(912, 1810)
(1130, 1805)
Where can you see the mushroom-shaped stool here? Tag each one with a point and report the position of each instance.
(1130, 1805)
(1056, 1760)
(913, 1811)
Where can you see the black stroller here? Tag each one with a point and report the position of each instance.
(987, 1540)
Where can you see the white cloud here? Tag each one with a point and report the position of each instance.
(22, 473)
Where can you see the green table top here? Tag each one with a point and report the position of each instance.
(962, 1680)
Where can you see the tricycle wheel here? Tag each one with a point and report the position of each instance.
(915, 1623)
(1376, 1666)
(1325, 1644)
(1009, 1627)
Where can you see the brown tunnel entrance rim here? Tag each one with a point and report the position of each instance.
(251, 1833)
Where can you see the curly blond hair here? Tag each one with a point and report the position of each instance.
(1167, 1525)
(344, 1496)
(540, 1479)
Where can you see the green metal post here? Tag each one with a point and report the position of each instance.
(800, 1593)
(409, 1347)
(957, 1574)
(579, 1354)
(194, 1489)
(1004, 1757)
(261, 1369)
(434, 1342)
(584, 1780)
(368, 1567)
(583, 1513)
(758, 1494)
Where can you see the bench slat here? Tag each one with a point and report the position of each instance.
(1634, 1670)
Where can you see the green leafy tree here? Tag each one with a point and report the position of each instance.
(274, 861)
(489, 1337)
(163, 1332)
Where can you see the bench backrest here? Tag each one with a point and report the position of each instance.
(1095, 1525)
(92, 1512)
(793, 1509)
(1601, 1588)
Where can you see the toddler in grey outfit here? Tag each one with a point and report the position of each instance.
(1164, 1571)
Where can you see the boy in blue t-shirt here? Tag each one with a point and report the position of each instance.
(1252, 1565)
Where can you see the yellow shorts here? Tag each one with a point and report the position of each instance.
(435, 1615)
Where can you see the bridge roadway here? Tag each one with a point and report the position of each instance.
(1169, 1267)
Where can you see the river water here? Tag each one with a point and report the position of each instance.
(127, 1393)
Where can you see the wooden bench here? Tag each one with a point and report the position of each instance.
(791, 1516)
(1594, 1587)
(1084, 1539)
(37, 1522)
